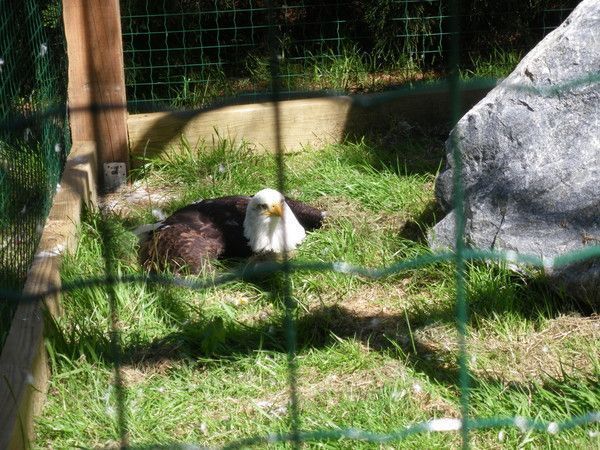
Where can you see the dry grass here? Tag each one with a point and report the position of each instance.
(135, 198)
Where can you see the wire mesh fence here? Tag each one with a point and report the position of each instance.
(174, 54)
(33, 146)
(186, 53)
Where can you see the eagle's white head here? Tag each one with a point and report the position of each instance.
(270, 225)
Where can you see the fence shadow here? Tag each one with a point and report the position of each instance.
(390, 333)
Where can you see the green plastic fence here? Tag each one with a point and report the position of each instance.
(31, 159)
(33, 145)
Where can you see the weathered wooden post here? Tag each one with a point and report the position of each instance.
(96, 90)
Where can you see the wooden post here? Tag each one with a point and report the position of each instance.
(96, 90)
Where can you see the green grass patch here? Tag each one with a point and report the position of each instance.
(498, 63)
(212, 366)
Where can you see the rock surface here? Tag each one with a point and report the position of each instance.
(531, 157)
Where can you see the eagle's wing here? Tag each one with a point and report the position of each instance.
(185, 245)
(309, 217)
(196, 233)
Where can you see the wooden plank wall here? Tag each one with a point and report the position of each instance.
(304, 122)
(23, 365)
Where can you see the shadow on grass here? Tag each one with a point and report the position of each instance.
(204, 336)
(405, 149)
(415, 229)
(210, 338)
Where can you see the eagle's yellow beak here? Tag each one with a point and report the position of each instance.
(275, 210)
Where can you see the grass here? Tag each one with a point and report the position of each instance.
(346, 70)
(498, 64)
(212, 366)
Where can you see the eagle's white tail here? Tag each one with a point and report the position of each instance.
(143, 231)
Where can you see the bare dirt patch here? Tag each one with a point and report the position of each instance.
(341, 208)
(135, 196)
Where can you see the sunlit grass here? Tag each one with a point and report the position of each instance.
(498, 64)
(212, 366)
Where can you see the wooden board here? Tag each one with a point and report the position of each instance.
(154, 132)
(304, 122)
(96, 88)
(23, 365)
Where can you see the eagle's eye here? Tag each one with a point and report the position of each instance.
(262, 206)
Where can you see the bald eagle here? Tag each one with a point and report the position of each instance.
(228, 227)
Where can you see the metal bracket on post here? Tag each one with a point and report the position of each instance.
(115, 175)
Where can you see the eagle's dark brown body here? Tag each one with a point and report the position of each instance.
(209, 229)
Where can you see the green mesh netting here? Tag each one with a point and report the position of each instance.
(34, 140)
(174, 51)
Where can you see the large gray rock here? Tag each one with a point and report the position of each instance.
(531, 156)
